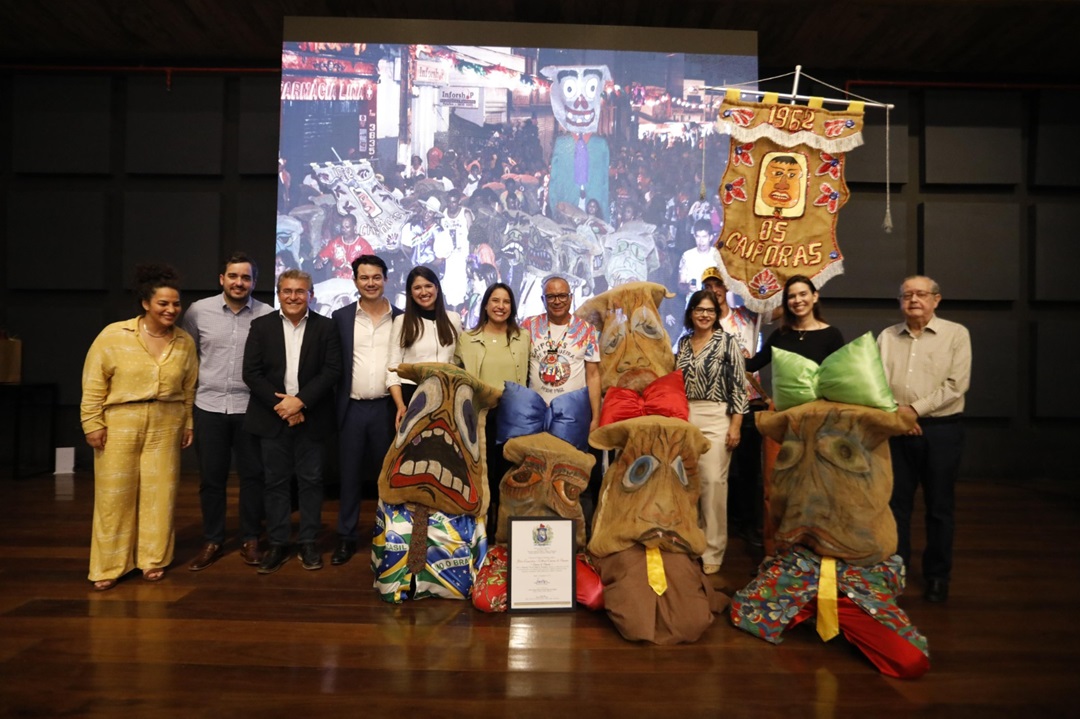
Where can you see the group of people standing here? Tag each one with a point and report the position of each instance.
(267, 388)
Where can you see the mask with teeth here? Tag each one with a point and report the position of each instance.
(438, 457)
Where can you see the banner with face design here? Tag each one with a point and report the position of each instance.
(781, 192)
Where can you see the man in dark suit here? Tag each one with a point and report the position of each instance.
(291, 361)
(365, 411)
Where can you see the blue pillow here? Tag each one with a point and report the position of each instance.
(522, 411)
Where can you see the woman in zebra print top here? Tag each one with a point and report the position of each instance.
(715, 379)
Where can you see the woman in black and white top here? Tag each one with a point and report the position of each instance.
(714, 375)
(425, 332)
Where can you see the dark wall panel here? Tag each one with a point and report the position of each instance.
(256, 210)
(867, 163)
(73, 255)
(1057, 252)
(874, 262)
(996, 348)
(61, 124)
(1057, 346)
(973, 249)
(854, 321)
(1057, 153)
(56, 356)
(258, 125)
(181, 228)
(175, 130)
(973, 137)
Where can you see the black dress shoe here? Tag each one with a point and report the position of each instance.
(273, 559)
(937, 590)
(346, 548)
(309, 556)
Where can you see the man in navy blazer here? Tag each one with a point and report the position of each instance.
(365, 411)
(291, 361)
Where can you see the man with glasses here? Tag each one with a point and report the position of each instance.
(928, 365)
(565, 353)
(291, 361)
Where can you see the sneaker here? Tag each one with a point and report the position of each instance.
(309, 556)
(272, 560)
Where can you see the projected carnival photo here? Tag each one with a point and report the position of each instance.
(490, 163)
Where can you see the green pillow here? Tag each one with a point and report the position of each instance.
(852, 374)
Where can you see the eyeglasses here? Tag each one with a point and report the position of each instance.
(921, 294)
(704, 311)
(561, 297)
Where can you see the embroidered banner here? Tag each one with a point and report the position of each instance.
(782, 189)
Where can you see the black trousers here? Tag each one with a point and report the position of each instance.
(932, 461)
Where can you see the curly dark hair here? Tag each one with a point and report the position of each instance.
(149, 278)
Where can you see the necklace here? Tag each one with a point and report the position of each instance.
(151, 334)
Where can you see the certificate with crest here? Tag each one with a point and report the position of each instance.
(541, 564)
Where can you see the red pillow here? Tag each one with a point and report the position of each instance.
(666, 396)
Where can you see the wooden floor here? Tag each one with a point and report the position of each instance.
(226, 641)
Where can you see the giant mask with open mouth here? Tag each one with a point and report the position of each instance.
(438, 457)
(650, 493)
(576, 95)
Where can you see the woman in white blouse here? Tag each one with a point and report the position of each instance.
(425, 332)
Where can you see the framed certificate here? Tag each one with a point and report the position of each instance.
(541, 564)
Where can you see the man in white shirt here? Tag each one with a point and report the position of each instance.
(219, 325)
(365, 413)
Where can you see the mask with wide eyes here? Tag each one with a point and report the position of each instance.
(843, 452)
(427, 399)
(639, 472)
(467, 419)
(571, 88)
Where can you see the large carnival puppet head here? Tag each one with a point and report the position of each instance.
(548, 480)
(438, 457)
(633, 342)
(576, 95)
(833, 478)
(650, 493)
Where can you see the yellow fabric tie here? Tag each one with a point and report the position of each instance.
(857, 107)
(815, 102)
(654, 567)
(828, 622)
(733, 93)
(770, 98)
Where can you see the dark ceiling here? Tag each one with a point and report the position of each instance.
(1017, 41)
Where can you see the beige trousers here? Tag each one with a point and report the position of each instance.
(135, 479)
(713, 421)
